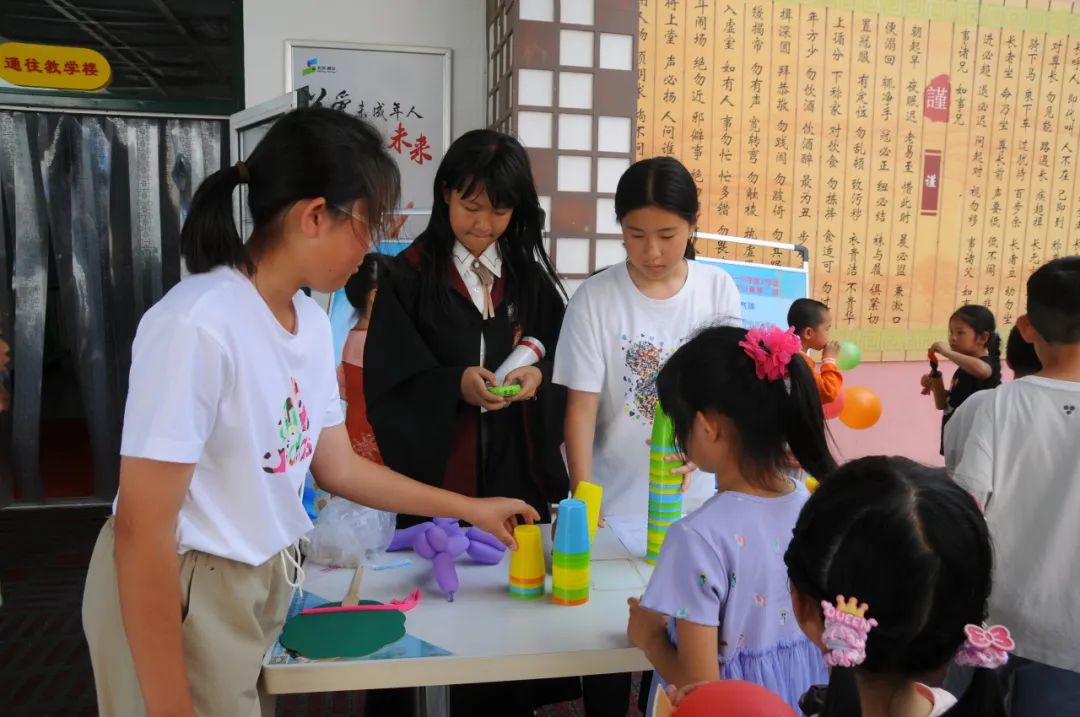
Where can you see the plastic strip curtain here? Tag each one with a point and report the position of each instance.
(105, 198)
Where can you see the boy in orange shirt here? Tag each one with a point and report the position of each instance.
(812, 320)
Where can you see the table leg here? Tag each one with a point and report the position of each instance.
(432, 701)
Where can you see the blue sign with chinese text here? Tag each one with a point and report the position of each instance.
(766, 292)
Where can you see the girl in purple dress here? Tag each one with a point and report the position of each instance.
(718, 605)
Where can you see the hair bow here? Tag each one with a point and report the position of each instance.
(987, 647)
(771, 348)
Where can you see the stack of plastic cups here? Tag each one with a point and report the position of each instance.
(665, 488)
(592, 495)
(570, 555)
(527, 564)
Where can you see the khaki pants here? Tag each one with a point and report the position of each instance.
(231, 614)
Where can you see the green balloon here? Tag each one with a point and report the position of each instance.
(849, 357)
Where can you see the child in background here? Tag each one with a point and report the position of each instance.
(903, 547)
(360, 291)
(812, 321)
(1022, 462)
(735, 397)
(1022, 361)
(975, 347)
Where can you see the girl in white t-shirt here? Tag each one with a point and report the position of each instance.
(233, 396)
(621, 326)
(890, 570)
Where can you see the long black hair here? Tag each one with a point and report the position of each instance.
(981, 320)
(912, 544)
(308, 153)
(366, 278)
(661, 182)
(712, 372)
(496, 163)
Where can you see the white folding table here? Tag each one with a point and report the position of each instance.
(491, 637)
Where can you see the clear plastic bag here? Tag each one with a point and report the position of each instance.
(348, 535)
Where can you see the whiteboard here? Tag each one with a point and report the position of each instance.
(403, 91)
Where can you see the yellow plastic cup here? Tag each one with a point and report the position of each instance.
(592, 495)
(527, 562)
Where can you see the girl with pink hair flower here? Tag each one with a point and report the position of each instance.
(718, 605)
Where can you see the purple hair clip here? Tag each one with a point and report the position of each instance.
(846, 628)
(771, 348)
(987, 647)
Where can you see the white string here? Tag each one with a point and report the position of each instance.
(287, 560)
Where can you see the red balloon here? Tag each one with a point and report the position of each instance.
(732, 698)
(833, 410)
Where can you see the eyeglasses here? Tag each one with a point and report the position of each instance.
(391, 221)
(350, 213)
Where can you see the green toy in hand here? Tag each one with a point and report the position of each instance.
(507, 391)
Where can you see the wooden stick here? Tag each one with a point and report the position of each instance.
(353, 596)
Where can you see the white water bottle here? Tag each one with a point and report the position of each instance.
(526, 353)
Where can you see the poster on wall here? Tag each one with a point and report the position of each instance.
(402, 91)
(766, 292)
(924, 152)
(405, 93)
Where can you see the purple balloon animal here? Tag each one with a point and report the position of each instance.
(442, 541)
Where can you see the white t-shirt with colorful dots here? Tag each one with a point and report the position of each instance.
(614, 341)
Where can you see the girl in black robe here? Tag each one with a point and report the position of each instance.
(450, 310)
(424, 379)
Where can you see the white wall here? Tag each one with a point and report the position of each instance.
(457, 24)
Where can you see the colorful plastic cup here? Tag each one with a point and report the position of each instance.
(572, 535)
(527, 563)
(570, 554)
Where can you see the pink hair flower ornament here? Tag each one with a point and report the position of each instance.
(771, 348)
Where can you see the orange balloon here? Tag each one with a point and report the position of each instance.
(732, 698)
(862, 408)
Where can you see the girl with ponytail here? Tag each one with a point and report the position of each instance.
(890, 568)
(975, 347)
(232, 398)
(736, 399)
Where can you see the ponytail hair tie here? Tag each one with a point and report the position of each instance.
(771, 349)
(242, 173)
(986, 647)
(846, 629)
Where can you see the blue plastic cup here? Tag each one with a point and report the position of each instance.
(572, 535)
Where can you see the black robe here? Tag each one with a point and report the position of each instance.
(413, 364)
